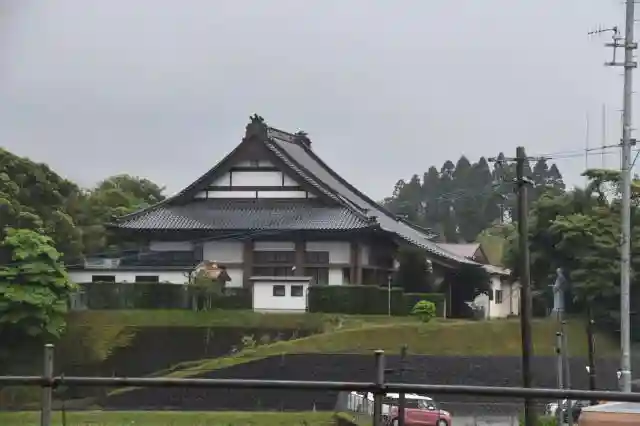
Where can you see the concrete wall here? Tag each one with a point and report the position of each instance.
(500, 306)
(266, 299)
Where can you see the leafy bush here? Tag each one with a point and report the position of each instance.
(425, 310)
(34, 287)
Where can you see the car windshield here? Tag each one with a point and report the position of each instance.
(422, 404)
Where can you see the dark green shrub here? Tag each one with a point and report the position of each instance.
(155, 296)
(368, 300)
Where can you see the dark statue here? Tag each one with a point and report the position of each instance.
(256, 127)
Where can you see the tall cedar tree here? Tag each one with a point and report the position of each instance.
(461, 200)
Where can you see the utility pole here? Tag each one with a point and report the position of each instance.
(629, 45)
(522, 183)
(603, 135)
(591, 345)
(525, 280)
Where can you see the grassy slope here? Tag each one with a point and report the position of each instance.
(455, 338)
(168, 418)
(221, 318)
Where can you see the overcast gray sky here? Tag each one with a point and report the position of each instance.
(385, 88)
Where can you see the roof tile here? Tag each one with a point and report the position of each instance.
(246, 214)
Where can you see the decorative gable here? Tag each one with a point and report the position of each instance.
(252, 179)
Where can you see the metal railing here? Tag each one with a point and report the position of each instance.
(48, 381)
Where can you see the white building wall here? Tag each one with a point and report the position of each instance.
(365, 250)
(339, 251)
(172, 277)
(170, 245)
(274, 246)
(336, 277)
(265, 301)
(85, 276)
(510, 299)
(222, 251)
(236, 275)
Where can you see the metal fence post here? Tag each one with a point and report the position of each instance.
(379, 381)
(47, 389)
(402, 402)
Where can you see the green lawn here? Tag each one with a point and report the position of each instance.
(170, 418)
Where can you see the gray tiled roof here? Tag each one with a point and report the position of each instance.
(319, 173)
(246, 214)
(355, 208)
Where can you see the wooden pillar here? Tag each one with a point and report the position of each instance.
(300, 250)
(247, 263)
(356, 267)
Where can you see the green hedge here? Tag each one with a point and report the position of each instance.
(368, 300)
(153, 296)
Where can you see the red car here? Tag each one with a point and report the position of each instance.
(419, 411)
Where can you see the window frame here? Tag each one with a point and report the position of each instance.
(110, 279)
(297, 287)
(276, 287)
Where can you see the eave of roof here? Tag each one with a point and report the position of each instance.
(313, 165)
(467, 250)
(250, 215)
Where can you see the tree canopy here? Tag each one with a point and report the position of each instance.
(579, 231)
(462, 199)
(34, 197)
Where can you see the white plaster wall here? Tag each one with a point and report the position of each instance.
(510, 300)
(85, 276)
(222, 251)
(170, 245)
(365, 250)
(224, 180)
(256, 178)
(339, 251)
(261, 163)
(284, 194)
(173, 277)
(274, 246)
(265, 301)
(236, 275)
(335, 276)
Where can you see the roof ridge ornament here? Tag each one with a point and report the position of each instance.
(302, 138)
(256, 128)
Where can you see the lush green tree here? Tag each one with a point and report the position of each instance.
(34, 286)
(34, 197)
(461, 200)
(579, 232)
(431, 192)
(113, 197)
(413, 275)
